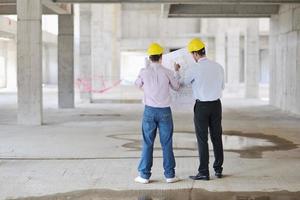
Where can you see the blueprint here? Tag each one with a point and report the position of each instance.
(185, 60)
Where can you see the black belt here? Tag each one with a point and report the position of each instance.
(198, 101)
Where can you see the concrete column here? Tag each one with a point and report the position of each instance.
(11, 65)
(273, 40)
(117, 29)
(105, 45)
(252, 65)
(76, 13)
(3, 64)
(297, 99)
(65, 54)
(45, 63)
(221, 48)
(50, 64)
(85, 77)
(233, 59)
(29, 61)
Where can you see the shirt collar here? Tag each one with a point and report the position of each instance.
(202, 59)
(155, 64)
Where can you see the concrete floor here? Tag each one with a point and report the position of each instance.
(92, 152)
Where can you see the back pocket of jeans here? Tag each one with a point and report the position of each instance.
(148, 118)
(166, 117)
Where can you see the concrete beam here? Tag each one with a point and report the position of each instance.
(8, 29)
(7, 1)
(60, 9)
(222, 10)
(165, 10)
(12, 10)
(8, 7)
(182, 1)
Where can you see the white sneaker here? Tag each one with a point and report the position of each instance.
(172, 180)
(141, 180)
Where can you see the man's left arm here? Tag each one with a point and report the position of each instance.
(223, 78)
(139, 81)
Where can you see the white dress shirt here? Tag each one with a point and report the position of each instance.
(206, 78)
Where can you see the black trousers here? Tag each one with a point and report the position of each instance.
(208, 115)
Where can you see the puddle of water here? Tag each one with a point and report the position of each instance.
(183, 194)
(187, 141)
(248, 145)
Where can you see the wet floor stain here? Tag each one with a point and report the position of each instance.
(247, 145)
(99, 115)
(183, 194)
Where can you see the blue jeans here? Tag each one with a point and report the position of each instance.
(160, 118)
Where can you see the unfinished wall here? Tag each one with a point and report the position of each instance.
(285, 59)
(144, 23)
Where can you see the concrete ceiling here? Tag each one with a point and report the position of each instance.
(173, 8)
(182, 1)
(206, 8)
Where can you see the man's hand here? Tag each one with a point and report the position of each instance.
(176, 67)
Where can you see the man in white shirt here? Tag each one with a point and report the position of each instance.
(207, 80)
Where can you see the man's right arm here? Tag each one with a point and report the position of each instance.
(174, 81)
(187, 78)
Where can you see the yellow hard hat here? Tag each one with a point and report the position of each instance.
(195, 45)
(155, 49)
